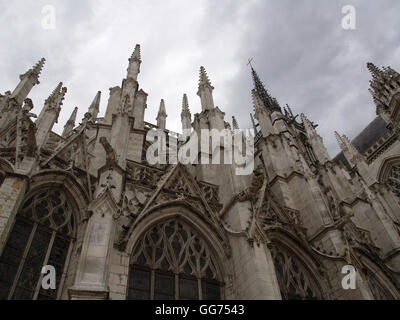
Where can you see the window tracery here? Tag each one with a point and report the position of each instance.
(42, 235)
(171, 261)
(295, 281)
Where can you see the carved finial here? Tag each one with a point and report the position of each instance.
(94, 108)
(375, 71)
(235, 124)
(136, 54)
(35, 71)
(162, 111)
(69, 126)
(162, 116)
(204, 80)
(185, 104)
(55, 93)
(340, 141)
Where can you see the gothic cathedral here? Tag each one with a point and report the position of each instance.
(113, 226)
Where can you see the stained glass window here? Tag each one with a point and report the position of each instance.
(295, 281)
(41, 236)
(171, 260)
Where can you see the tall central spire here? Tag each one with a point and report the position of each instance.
(269, 102)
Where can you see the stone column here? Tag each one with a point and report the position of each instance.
(91, 281)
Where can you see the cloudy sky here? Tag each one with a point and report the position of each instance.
(300, 50)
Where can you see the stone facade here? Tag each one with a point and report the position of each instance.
(116, 227)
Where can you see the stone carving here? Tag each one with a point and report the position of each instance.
(110, 153)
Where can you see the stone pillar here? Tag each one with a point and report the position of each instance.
(91, 281)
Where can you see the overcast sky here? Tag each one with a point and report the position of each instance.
(303, 55)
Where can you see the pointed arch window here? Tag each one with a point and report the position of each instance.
(172, 262)
(295, 281)
(42, 235)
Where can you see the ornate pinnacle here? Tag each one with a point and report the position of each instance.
(162, 111)
(72, 118)
(136, 54)
(185, 104)
(95, 106)
(185, 107)
(263, 94)
(35, 71)
(340, 141)
(375, 71)
(204, 80)
(55, 93)
(235, 124)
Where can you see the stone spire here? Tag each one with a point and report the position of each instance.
(134, 63)
(186, 116)
(268, 101)
(316, 141)
(382, 85)
(162, 116)
(94, 108)
(340, 141)
(49, 115)
(235, 124)
(262, 114)
(253, 122)
(28, 80)
(69, 126)
(352, 155)
(205, 91)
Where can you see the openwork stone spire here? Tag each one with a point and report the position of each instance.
(268, 101)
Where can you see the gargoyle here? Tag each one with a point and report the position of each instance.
(111, 156)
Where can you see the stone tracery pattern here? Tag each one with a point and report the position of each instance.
(295, 281)
(41, 236)
(177, 256)
(174, 246)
